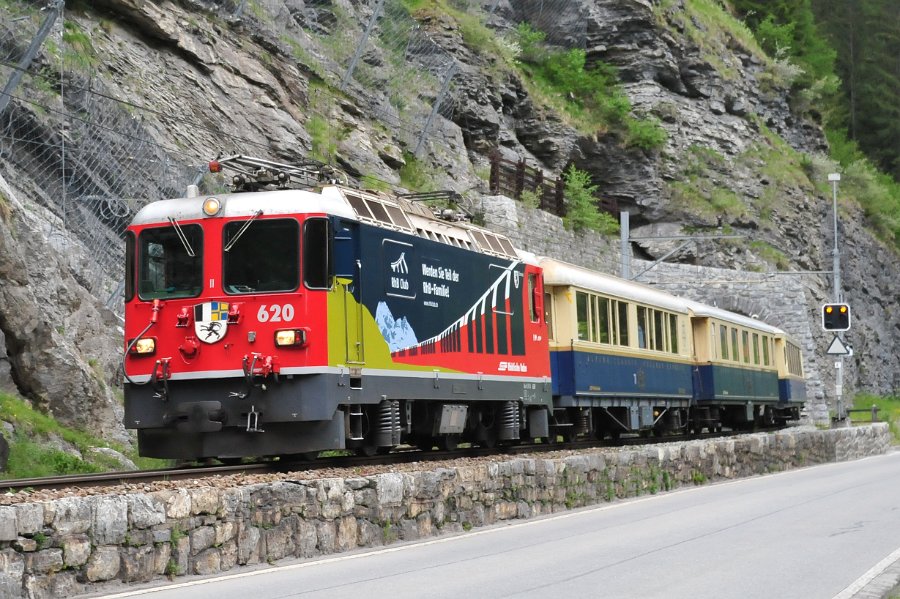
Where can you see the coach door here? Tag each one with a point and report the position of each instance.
(348, 286)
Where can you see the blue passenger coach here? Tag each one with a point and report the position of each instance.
(620, 353)
(626, 357)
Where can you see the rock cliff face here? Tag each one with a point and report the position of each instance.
(733, 162)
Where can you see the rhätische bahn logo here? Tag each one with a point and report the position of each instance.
(211, 321)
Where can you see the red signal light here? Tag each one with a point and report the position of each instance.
(214, 166)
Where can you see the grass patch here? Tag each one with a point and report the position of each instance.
(590, 96)
(79, 50)
(29, 455)
(709, 25)
(771, 254)
(5, 208)
(415, 175)
(888, 411)
(699, 192)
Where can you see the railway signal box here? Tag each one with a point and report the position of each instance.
(836, 317)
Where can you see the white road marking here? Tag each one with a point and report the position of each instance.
(858, 584)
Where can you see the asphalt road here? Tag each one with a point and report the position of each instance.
(806, 533)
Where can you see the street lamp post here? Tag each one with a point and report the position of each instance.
(833, 178)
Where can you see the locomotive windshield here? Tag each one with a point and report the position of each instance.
(167, 269)
(261, 257)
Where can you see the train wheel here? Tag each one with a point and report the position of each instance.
(367, 451)
(423, 442)
(449, 442)
(486, 437)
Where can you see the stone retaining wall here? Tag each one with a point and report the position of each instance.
(78, 545)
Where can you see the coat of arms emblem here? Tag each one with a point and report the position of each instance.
(211, 321)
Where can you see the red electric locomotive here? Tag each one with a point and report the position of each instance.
(286, 319)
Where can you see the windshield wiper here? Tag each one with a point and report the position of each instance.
(240, 232)
(182, 237)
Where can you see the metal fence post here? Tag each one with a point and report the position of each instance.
(53, 11)
(445, 87)
(494, 177)
(519, 183)
(560, 197)
(362, 44)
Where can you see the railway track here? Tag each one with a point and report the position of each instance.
(141, 477)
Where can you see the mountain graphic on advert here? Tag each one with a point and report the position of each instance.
(397, 332)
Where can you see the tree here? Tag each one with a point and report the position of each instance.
(581, 205)
(866, 35)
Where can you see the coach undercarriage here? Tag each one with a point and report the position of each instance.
(612, 417)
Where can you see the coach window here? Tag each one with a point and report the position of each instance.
(659, 333)
(603, 328)
(642, 327)
(318, 271)
(581, 309)
(622, 322)
(723, 341)
(171, 262)
(755, 348)
(261, 256)
(735, 354)
(673, 333)
(745, 339)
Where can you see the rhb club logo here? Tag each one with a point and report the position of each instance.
(211, 321)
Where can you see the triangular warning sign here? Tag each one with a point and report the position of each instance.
(837, 347)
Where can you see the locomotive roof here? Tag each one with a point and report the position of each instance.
(286, 201)
(394, 213)
(562, 273)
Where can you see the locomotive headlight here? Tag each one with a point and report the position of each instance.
(287, 337)
(143, 346)
(211, 206)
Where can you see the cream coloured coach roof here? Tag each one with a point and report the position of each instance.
(564, 274)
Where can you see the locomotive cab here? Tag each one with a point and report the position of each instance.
(215, 305)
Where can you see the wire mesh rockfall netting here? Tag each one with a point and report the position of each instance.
(94, 159)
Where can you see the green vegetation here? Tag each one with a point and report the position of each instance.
(590, 96)
(530, 199)
(5, 209)
(581, 208)
(842, 53)
(700, 193)
(79, 51)
(30, 456)
(416, 175)
(374, 183)
(711, 27)
(771, 254)
(323, 138)
(888, 411)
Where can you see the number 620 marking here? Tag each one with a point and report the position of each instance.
(275, 313)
